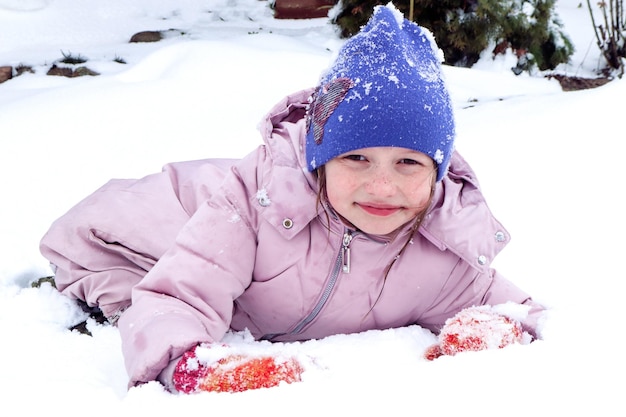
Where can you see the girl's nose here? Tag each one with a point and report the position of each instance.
(380, 183)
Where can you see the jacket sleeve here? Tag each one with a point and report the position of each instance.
(462, 226)
(105, 244)
(468, 287)
(188, 296)
(501, 291)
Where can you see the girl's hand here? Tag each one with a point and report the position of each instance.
(199, 369)
(476, 328)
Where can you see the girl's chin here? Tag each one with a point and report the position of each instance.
(376, 228)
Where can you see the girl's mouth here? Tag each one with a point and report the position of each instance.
(379, 210)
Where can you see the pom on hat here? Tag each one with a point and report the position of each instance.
(385, 88)
(233, 373)
(474, 329)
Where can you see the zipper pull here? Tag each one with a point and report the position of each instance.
(345, 252)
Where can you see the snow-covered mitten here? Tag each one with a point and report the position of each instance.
(473, 329)
(232, 373)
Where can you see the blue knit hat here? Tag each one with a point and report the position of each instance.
(385, 88)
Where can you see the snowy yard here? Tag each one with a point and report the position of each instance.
(549, 163)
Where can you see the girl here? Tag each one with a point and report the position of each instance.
(355, 214)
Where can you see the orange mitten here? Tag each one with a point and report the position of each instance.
(475, 328)
(233, 373)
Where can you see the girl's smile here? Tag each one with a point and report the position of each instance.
(378, 210)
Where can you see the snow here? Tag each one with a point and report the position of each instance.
(549, 163)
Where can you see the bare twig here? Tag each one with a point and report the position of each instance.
(610, 34)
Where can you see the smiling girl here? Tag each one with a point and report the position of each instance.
(356, 214)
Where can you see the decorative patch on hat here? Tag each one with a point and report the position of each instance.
(325, 101)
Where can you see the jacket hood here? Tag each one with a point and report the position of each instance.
(289, 190)
(291, 109)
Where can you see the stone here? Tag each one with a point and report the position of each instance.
(302, 9)
(6, 73)
(146, 36)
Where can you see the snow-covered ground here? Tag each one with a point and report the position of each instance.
(549, 163)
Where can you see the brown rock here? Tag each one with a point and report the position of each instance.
(61, 71)
(302, 9)
(569, 83)
(82, 71)
(146, 36)
(6, 73)
(69, 72)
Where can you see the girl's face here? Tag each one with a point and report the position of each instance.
(379, 189)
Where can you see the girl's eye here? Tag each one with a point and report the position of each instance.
(410, 162)
(355, 157)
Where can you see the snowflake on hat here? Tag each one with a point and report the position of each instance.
(474, 329)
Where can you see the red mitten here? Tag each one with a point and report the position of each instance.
(233, 373)
(473, 329)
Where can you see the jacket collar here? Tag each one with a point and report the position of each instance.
(460, 220)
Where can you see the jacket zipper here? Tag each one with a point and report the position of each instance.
(345, 252)
(342, 264)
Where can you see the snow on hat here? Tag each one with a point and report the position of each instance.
(385, 88)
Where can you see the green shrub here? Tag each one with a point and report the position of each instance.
(464, 29)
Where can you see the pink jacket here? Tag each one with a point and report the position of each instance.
(243, 244)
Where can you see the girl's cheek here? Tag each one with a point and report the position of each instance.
(421, 195)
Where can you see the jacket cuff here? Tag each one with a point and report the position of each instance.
(165, 377)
